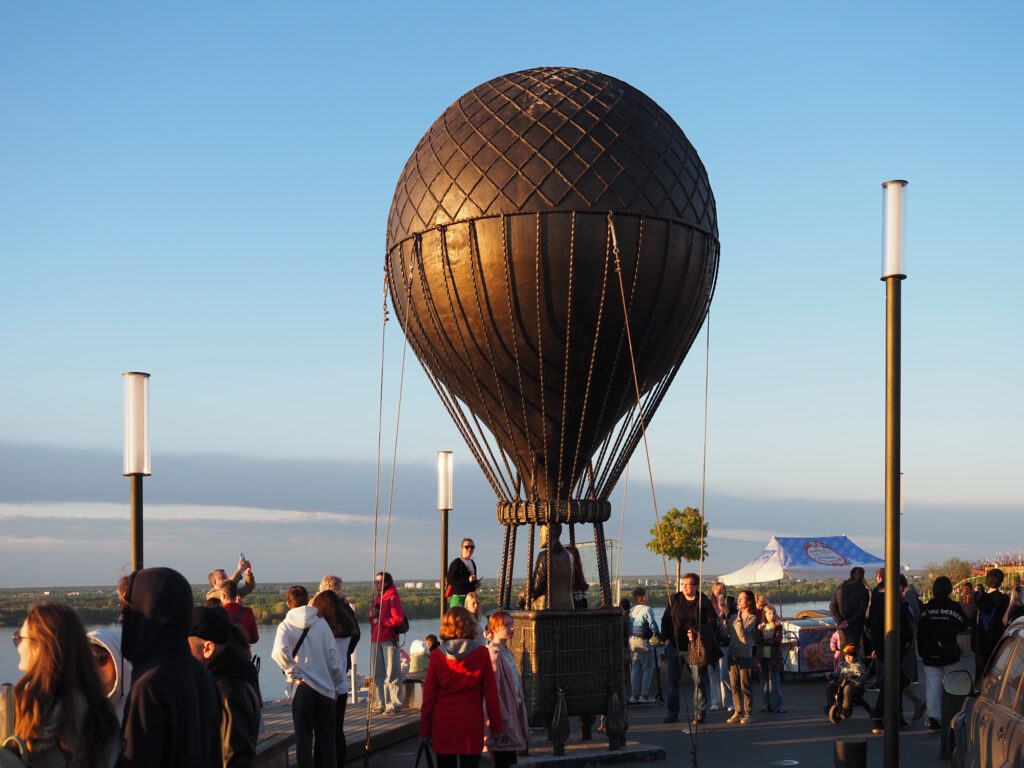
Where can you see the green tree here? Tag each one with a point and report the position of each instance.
(956, 569)
(683, 537)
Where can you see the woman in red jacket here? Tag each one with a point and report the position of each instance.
(459, 680)
(386, 615)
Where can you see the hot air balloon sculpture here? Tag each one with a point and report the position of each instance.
(538, 216)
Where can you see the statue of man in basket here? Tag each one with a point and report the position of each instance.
(560, 574)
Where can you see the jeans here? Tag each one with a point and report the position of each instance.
(771, 689)
(313, 717)
(340, 745)
(721, 685)
(739, 676)
(643, 666)
(933, 688)
(387, 676)
(699, 676)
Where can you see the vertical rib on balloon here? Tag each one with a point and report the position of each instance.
(515, 338)
(476, 266)
(565, 365)
(540, 368)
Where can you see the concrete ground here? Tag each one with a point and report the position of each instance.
(802, 736)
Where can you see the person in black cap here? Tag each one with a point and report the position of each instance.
(173, 707)
(237, 684)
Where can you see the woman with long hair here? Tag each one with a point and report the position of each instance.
(472, 604)
(769, 660)
(386, 615)
(61, 710)
(330, 608)
(515, 735)
(459, 680)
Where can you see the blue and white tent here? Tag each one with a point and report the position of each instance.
(821, 557)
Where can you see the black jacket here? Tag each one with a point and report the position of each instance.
(173, 708)
(850, 604)
(238, 684)
(941, 620)
(682, 615)
(876, 624)
(458, 577)
(988, 622)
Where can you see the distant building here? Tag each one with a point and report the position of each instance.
(419, 585)
(437, 585)
(409, 585)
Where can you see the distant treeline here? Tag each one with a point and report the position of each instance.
(268, 600)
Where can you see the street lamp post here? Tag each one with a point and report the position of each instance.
(444, 505)
(136, 450)
(893, 200)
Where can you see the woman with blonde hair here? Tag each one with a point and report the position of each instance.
(459, 680)
(61, 711)
(472, 604)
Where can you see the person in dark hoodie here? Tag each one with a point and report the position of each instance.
(991, 605)
(173, 707)
(849, 608)
(237, 683)
(942, 619)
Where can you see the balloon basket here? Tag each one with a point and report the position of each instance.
(583, 653)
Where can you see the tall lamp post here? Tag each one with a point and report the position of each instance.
(893, 199)
(136, 450)
(444, 505)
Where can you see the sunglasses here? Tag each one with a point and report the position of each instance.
(469, 546)
(17, 637)
(100, 655)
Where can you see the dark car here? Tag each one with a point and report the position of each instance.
(989, 731)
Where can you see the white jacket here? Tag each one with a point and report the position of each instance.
(318, 663)
(118, 695)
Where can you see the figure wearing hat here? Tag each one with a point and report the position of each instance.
(237, 684)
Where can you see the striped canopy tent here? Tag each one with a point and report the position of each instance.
(811, 557)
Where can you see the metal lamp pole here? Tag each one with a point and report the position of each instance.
(893, 274)
(444, 505)
(136, 450)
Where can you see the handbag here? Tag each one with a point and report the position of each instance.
(13, 753)
(698, 653)
(424, 751)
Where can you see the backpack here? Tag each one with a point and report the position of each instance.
(403, 628)
(985, 618)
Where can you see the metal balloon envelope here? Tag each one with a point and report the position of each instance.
(504, 278)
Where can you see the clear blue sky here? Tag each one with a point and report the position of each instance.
(201, 192)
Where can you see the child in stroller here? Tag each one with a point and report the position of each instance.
(846, 688)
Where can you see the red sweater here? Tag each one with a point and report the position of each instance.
(453, 701)
(247, 621)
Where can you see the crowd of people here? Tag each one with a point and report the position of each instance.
(929, 631)
(177, 685)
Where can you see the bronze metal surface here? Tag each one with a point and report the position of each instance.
(503, 277)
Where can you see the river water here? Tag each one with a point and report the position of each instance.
(272, 682)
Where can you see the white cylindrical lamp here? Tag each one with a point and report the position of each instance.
(894, 203)
(444, 480)
(136, 423)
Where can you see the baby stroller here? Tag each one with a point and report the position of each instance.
(837, 690)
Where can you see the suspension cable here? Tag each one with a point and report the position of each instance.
(639, 404)
(387, 529)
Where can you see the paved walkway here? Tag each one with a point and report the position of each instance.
(802, 736)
